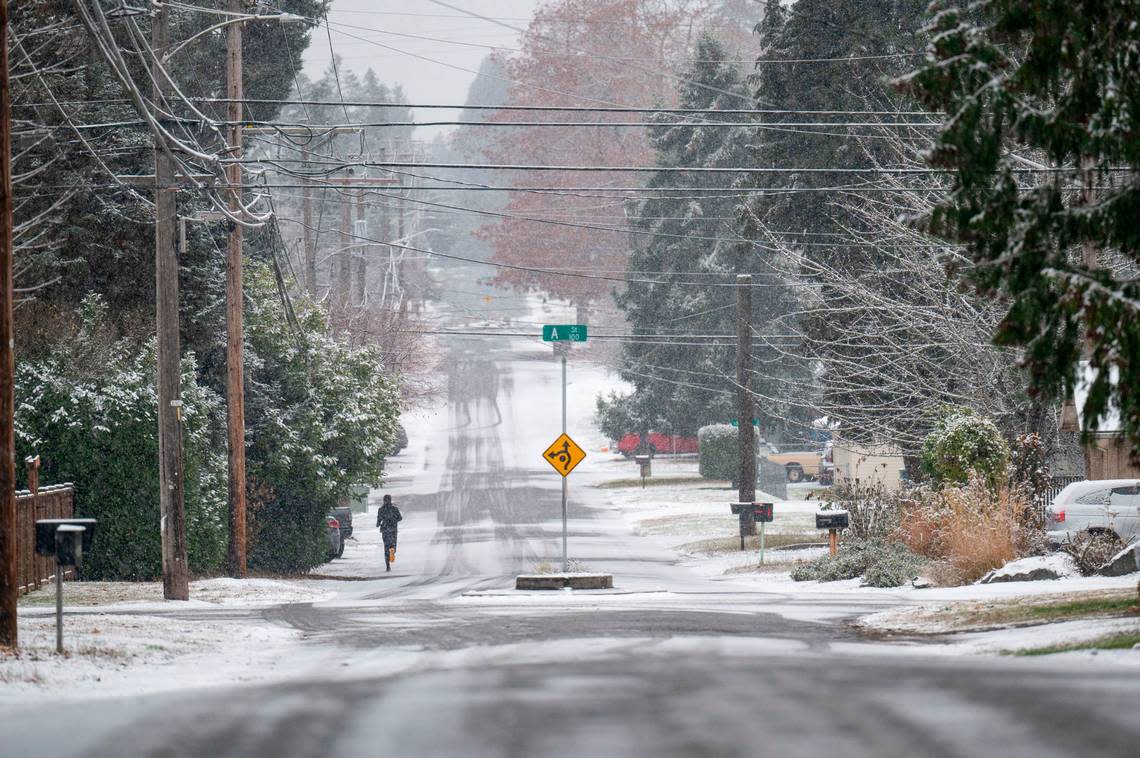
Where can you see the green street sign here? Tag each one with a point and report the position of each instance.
(564, 333)
(736, 422)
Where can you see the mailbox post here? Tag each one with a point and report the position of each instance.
(68, 540)
(645, 466)
(834, 522)
(762, 514)
(751, 514)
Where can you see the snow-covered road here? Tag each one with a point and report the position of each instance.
(442, 657)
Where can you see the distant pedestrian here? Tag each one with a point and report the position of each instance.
(387, 519)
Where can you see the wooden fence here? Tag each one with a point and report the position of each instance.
(32, 570)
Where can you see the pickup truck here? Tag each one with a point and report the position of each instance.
(799, 464)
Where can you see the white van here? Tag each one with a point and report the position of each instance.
(1107, 505)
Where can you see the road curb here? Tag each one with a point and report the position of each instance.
(564, 581)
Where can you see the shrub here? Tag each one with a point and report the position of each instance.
(968, 530)
(320, 418)
(963, 442)
(718, 451)
(874, 512)
(1091, 550)
(88, 409)
(882, 564)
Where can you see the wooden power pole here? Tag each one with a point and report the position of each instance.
(362, 256)
(746, 473)
(9, 636)
(175, 574)
(235, 366)
(341, 286)
(308, 234)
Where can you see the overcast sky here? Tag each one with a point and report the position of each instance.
(444, 71)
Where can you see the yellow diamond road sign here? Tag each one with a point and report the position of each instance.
(564, 455)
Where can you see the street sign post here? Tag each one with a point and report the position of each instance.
(565, 333)
(564, 455)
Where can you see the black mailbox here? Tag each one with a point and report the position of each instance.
(69, 545)
(762, 513)
(47, 527)
(831, 520)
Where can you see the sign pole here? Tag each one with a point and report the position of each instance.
(565, 558)
(762, 543)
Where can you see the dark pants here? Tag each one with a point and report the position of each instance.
(389, 544)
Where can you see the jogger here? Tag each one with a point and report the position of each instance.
(387, 519)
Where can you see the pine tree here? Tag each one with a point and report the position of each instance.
(1052, 85)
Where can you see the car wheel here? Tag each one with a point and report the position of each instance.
(340, 550)
(652, 450)
(795, 474)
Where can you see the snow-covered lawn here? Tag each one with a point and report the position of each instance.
(996, 612)
(203, 593)
(122, 637)
(127, 653)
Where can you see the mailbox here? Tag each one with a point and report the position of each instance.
(69, 545)
(762, 513)
(645, 463)
(831, 520)
(46, 534)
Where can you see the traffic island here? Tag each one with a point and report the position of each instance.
(572, 581)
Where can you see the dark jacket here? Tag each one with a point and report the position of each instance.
(387, 518)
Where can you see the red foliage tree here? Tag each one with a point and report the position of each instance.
(582, 53)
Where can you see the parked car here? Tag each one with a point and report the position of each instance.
(336, 542)
(799, 464)
(343, 514)
(1109, 506)
(630, 444)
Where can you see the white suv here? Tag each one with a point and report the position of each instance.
(1108, 505)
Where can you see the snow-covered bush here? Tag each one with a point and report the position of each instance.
(88, 408)
(961, 442)
(718, 451)
(320, 418)
(880, 563)
(874, 512)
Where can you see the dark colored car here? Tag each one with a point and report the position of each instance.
(343, 514)
(335, 542)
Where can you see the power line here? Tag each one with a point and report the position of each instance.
(563, 108)
(345, 164)
(319, 128)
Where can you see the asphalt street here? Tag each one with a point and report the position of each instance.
(670, 664)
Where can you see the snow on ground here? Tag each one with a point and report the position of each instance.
(130, 653)
(204, 593)
(1060, 564)
(1029, 638)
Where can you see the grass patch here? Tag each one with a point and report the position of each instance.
(986, 615)
(1101, 606)
(1123, 641)
(662, 481)
(772, 541)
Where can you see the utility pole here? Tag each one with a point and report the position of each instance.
(746, 473)
(235, 340)
(342, 286)
(308, 234)
(9, 636)
(175, 574)
(362, 257)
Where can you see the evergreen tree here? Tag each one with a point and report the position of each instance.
(687, 241)
(1055, 82)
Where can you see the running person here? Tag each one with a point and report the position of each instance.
(387, 519)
